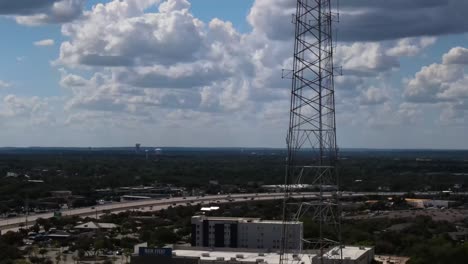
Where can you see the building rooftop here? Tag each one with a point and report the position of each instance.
(245, 257)
(208, 209)
(94, 225)
(349, 252)
(244, 220)
(220, 218)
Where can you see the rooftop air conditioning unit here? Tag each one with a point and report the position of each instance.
(205, 255)
(240, 256)
(220, 258)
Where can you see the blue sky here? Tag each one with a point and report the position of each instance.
(177, 73)
(36, 60)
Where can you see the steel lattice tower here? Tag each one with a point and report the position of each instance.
(311, 139)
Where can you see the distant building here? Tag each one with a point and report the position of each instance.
(253, 233)
(423, 203)
(11, 174)
(158, 151)
(127, 198)
(384, 188)
(281, 187)
(137, 147)
(61, 194)
(95, 226)
(209, 209)
(36, 181)
(58, 235)
(298, 187)
(213, 182)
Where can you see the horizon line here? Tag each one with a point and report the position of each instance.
(225, 147)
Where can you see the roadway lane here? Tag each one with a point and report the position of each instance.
(147, 203)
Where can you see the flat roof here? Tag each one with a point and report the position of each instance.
(350, 252)
(278, 222)
(220, 218)
(247, 257)
(245, 220)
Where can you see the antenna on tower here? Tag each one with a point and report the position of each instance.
(311, 139)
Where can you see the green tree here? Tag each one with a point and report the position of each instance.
(43, 252)
(58, 257)
(127, 253)
(21, 261)
(81, 254)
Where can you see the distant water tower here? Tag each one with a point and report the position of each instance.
(158, 151)
(137, 147)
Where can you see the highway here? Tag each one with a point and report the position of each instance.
(159, 204)
(146, 205)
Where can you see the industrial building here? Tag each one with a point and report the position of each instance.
(253, 233)
(244, 256)
(194, 255)
(197, 255)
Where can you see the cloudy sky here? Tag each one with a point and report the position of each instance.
(208, 73)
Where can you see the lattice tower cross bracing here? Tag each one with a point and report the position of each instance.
(311, 139)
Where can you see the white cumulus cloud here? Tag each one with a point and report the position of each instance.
(4, 84)
(51, 12)
(44, 42)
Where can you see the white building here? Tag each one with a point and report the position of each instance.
(351, 255)
(199, 255)
(253, 233)
(206, 256)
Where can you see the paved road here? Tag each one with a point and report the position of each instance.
(146, 205)
(155, 205)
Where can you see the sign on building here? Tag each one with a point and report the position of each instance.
(164, 252)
